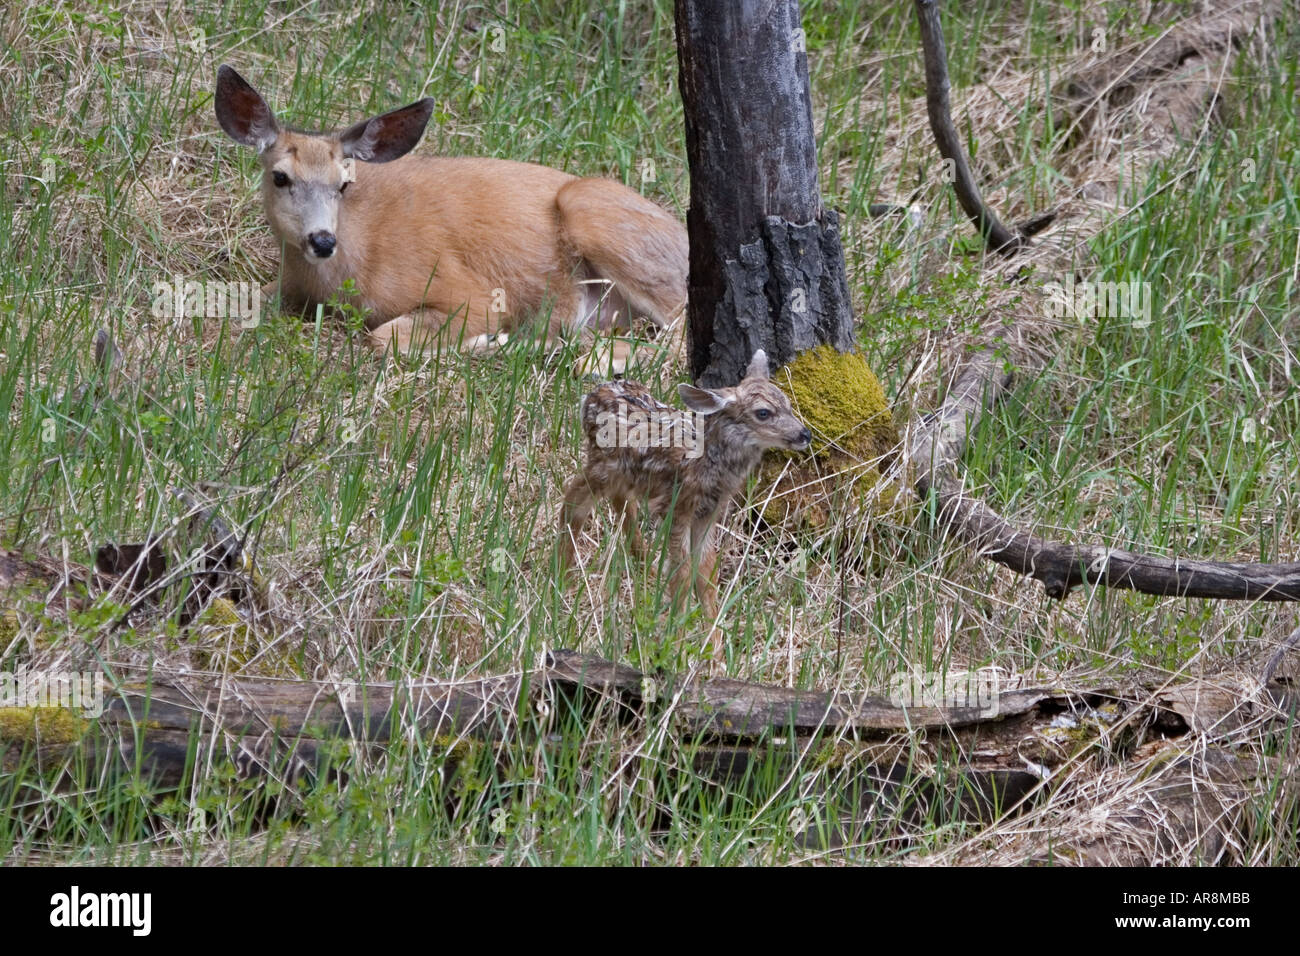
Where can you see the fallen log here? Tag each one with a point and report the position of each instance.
(1005, 746)
(904, 759)
(936, 443)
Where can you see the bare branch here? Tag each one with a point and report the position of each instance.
(996, 236)
(938, 441)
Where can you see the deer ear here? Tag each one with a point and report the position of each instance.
(382, 139)
(758, 367)
(242, 112)
(703, 400)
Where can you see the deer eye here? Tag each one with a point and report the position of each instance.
(763, 414)
(280, 179)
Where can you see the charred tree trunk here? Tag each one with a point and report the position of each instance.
(767, 269)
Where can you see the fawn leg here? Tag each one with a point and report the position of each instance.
(679, 553)
(704, 555)
(707, 587)
(627, 510)
(579, 500)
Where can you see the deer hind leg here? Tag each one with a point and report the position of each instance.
(611, 345)
(626, 239)
(594, 306)
(579, 501)
(603, 358)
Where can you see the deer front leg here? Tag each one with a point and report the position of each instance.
(704, 537)
(270, 300)
(430, 331)
(416, 331)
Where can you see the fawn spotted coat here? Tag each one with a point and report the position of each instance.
(691, 465)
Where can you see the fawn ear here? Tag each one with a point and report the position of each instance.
(382, 139)
(242, 112)
(703, 400)
(758, 367)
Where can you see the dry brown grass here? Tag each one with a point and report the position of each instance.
(800, 618)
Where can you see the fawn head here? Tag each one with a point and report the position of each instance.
(754, 415)
(305, 175)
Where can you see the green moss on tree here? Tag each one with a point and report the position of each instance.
(841, 400)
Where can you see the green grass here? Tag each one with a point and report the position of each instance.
(406, 513)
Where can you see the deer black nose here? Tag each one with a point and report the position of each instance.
(322, 243)
(804, 439)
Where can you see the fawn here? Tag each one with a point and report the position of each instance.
(694, 472)
(451, 250)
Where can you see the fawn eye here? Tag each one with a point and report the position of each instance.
(280, 179)
(763, 414)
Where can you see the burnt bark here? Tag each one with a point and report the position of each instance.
(766, 264)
